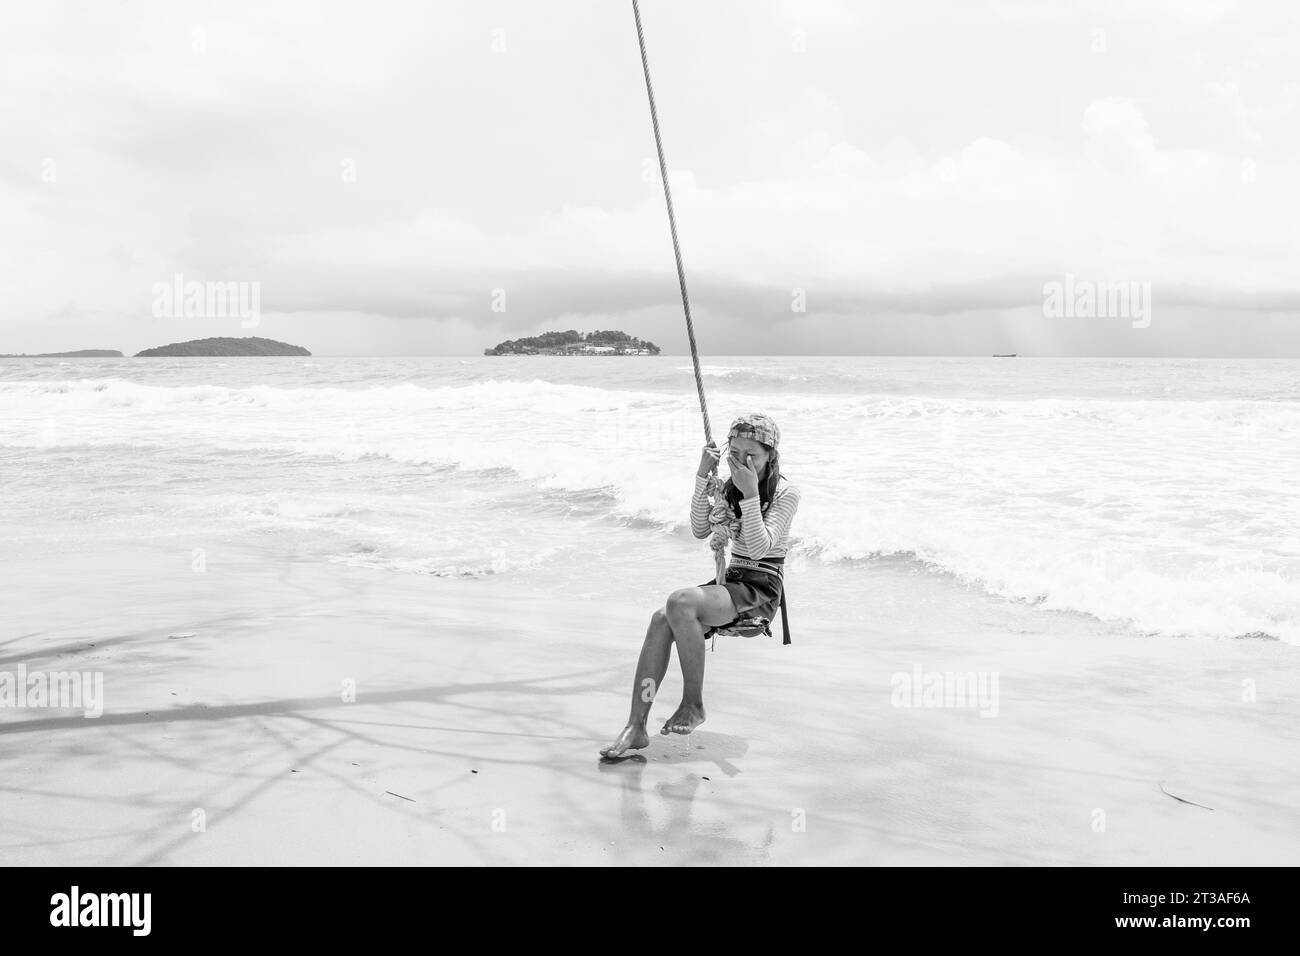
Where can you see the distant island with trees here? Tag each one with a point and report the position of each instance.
(224, 348)
(572, 342)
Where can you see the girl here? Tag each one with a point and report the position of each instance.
(762, 505)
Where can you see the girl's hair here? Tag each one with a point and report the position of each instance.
(766, 486)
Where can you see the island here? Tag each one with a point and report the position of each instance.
(572, 342)
(224, 348)
(80, 353)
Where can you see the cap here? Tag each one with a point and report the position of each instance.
(757, 426)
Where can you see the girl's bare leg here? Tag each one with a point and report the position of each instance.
(650, 670)
(690, 611)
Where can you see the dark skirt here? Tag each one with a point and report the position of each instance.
(755, 593)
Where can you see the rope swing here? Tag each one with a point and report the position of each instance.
(724, 522)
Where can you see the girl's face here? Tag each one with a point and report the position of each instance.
(758, 455)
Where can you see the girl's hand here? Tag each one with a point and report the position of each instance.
(743, 475)
(709, 458)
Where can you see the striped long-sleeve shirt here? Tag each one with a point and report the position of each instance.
(761, 535)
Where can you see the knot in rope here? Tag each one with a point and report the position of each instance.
(726, 526)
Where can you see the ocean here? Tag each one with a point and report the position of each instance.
(1160, 496)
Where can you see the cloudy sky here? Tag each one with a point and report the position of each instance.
(432, 178)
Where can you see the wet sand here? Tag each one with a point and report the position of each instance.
(327, 714)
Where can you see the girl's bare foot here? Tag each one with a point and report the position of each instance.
(687, 718)
(633, 737)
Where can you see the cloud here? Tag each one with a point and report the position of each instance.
(1194, 13)
(905, 183)
(1248, 119)
(823, 14)
(1116, 134)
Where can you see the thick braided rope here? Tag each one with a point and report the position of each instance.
(720, 510)
(726, 526)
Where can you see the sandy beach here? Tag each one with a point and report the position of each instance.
(359, 364)
(480, 704)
